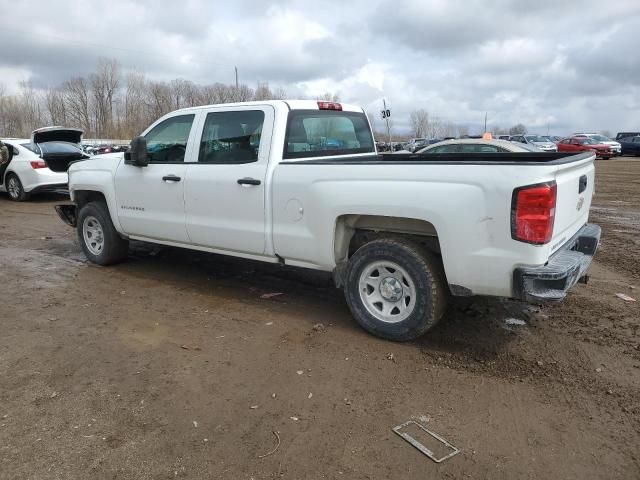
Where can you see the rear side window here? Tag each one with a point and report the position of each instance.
(32, 147)
(319, 133)
(231, 137)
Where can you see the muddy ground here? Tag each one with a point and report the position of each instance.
(171, 365)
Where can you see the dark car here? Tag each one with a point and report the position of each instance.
(620, 135)
(630, 145)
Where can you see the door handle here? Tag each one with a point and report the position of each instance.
(248, 181)
(171, 178)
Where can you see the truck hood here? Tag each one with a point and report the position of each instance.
(56, 134)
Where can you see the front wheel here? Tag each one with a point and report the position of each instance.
(15, 189)
(98, 237)
(395, 289)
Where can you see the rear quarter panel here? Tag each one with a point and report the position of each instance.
(469, 205)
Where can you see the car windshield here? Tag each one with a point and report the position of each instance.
(588, 141)
(536, 138)
(600, 138)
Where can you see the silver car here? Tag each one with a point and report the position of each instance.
(543, 143)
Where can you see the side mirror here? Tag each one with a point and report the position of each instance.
(137, 154)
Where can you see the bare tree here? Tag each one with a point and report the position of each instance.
(419, 120)
(463, 130)
(329, 97)
(135, 117)
(158, 99)
(30, 108)
(518, 129)
(76, 95)
(104, 85)
(263, 92)
(56, 106)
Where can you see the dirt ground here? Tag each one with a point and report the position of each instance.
(171, 365)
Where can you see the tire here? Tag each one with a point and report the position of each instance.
(15, 189)
(399, 263)
(94, 223)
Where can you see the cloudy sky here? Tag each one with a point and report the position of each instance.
(573, 65)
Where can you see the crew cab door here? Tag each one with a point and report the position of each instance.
(225, 188)
(151, 199)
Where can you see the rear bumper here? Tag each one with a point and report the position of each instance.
(565, 268)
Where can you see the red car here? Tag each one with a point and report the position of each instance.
(585, 144)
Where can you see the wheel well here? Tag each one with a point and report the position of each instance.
(353, 231)
(82, 197)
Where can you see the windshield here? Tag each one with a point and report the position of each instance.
(588, 141)
(536, 138)
(600, 138)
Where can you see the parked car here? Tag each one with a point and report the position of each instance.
(544, 144)
(40, 164)
(616, 148)
(469, 145)
(416, 143)
(554, 138)
(504, 137)
(585, 144)
(620, 135)
(630, 145)
(399, 234)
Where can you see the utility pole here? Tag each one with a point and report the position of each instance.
(236, 69)
(485, 122)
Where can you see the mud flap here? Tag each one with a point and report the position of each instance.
(67, 214)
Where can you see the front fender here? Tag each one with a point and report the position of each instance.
(98, 181)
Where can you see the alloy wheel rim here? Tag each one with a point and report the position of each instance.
(14, 188)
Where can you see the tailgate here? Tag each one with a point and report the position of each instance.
(575, 186)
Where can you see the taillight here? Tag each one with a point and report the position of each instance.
(329, 106)
(38, 164)
(533, 210)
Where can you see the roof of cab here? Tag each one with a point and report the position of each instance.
(289, 104)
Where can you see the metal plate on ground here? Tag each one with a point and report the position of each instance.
(446, 449)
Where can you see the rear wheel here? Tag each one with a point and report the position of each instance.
(98, 237)
(15, 189)
(395, 289)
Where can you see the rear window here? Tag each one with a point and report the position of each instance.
(59, 148)
(319, 133)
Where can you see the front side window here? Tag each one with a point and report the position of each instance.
(231, 137)
(317, 133)
(167, 141)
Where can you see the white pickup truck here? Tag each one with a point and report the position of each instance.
(300, 183)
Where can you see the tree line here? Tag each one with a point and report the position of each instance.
(111, 103)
